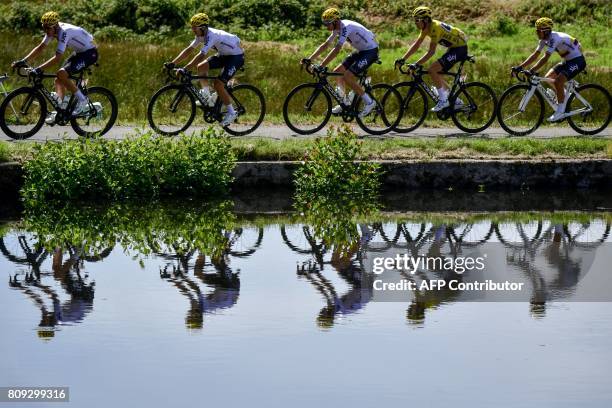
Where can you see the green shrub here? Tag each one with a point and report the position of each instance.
(330, 170)
(144, 166)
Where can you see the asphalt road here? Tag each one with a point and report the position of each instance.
(280, 132)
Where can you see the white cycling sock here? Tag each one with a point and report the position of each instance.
(230, 109)
(366, 98)
(80, 96)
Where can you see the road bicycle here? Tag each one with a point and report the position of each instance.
(308, 107)
(23, 111)
(173, 107)
(472, 105)
(521, 107)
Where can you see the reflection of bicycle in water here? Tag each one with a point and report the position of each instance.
(67, 306)
(347, 260)
(213, 286)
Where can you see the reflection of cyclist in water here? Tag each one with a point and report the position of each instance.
(53, 311)
(224, 282)
(347, 261)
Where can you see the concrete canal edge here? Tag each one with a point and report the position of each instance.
(455, 174)
(458, 174)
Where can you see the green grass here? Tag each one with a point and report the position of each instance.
(131, 68)
(265, 149)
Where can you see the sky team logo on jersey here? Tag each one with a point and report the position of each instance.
(362, 63)
(451, 58)
(573, 67)
(231, 71)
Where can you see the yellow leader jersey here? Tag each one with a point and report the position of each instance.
(445, 34)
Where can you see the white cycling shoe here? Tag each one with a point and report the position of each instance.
(204, 95)
(442, 104)
(229, 118)
(50, 119)
(367, 109)
(557, 117)
(337, 110)
(81, 108)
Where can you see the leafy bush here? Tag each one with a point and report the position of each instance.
(144, 166)
(330, 170)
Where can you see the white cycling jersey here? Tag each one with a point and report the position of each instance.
(357, 35)
(567, 46)
(223, 42)
(73, 37)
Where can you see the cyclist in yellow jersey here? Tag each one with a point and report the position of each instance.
(569, 49)
(439, 33)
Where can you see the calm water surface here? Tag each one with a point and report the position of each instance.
(271, 312)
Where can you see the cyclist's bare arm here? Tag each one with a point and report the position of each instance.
(413, 48)
(319, 50)
(182, 56)
(429, 54)
(541, 62)
(35, 52)
(52, 61)
(332, 54)
(530, 59)
(195, 61)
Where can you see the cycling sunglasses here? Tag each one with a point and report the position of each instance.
(420, 20)
(327, 22)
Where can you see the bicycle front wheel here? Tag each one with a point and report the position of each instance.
(474, 107)
(171, 110)
(386, 114)
(414, 107)
(251, 107)
(519, 114)
(101, 115)
(594, 102)
(22, 113)
(307, 109)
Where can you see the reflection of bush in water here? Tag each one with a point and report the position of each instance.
(142, 228)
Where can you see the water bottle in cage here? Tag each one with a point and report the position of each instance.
(212, 99)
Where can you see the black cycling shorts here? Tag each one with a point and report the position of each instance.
(81, 60)
(571, 68)
(453, 56)
(229, 63)
(359, 61)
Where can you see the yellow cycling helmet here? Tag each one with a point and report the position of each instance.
(199, 19)
(421, 12)
(331, 14)
(50, 18)
(544, 23)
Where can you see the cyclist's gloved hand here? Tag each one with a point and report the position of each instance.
(414, 67)
(516, 69)
(305, 61)
(400, 62)
(169, 65)
(181, 71)
(531, 72)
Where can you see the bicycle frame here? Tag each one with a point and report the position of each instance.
(323, 83)
(535, 84)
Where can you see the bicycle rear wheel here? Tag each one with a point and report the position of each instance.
(22, 113)
(251, 107)
(414, 107)
(386, 114)
(307, 108)
(475, 105)
(517, 115)
(171, 110)
(598, 99)
(101, 116)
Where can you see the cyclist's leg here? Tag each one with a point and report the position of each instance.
(362, 61)
(444, 64)
(231, 64)
(203, 67)
(74, 65)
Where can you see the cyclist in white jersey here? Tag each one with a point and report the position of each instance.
(230, 57)
(85, 54)
(569, 49)
(364, 42)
